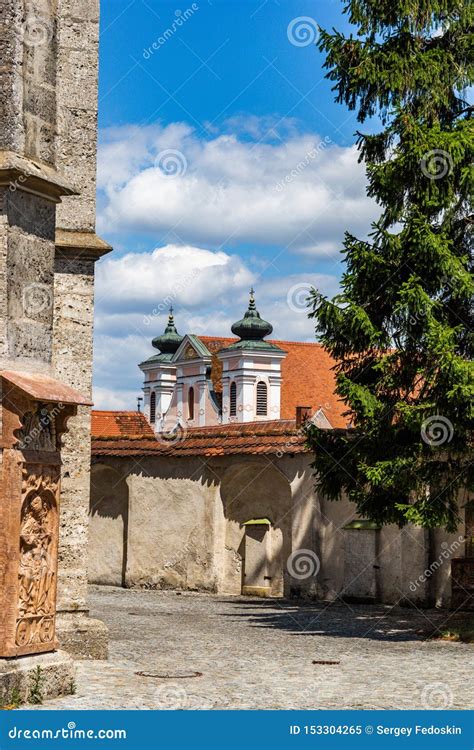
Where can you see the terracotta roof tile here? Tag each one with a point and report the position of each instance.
(120, 424)
(307, 378)
(269, 437)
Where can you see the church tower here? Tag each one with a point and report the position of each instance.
(160, 373)
(251, 371)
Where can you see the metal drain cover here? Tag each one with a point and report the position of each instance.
(169, 675)
(325, 661)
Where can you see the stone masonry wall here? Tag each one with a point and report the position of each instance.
(76, 141)
(72, 356)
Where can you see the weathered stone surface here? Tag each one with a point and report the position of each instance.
(75, 157)
(259, 654)
(48, 128)
(17, 676)
(78, 39)
(175, 522)
(83, 637)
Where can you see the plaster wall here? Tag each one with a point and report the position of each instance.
(186, 529)
(171, 530)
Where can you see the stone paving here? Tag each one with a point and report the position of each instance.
(197, 651)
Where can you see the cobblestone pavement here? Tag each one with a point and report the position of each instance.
(211, 652)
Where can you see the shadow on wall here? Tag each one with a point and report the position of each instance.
(255, 555)
(108, 529)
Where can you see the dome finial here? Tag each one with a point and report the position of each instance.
(252, 327)
(170, 340)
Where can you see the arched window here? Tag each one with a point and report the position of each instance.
(191, 404)
(153, 407)
(262, 399)
(233, 400)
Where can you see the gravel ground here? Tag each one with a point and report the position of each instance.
(197, 651)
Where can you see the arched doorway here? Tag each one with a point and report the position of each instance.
(256, 501)
(108, 526)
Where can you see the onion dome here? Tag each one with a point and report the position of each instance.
(252, 327)
(169, 341)
(251, 330)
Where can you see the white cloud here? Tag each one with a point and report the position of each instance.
(209, 291)
(256, 181)
(296, 190)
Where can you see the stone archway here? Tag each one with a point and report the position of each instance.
(108, 526)
(256, 500)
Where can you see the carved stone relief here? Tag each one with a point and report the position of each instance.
(38, 556)
(38, 429)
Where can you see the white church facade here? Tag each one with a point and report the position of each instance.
(179, 387)
(211, 487)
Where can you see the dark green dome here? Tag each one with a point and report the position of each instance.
(169, 341)
(252, 327)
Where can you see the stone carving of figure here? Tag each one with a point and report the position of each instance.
(38, 430)
(36, 571)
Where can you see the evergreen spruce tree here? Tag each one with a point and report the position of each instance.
(401, 328)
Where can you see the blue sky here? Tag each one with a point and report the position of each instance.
(223, 162)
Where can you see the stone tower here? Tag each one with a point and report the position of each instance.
(48, 248)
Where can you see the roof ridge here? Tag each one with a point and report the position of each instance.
(273, 341)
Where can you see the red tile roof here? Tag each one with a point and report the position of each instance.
(253, 438)
(120, 424)
(307, 378)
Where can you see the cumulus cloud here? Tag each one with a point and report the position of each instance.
(254, 186)
(208, 290)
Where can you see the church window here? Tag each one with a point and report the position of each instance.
(233, 400)
(262, 399)
(153, 407)
(191, 404)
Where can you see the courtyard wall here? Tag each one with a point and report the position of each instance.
(168, 522)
